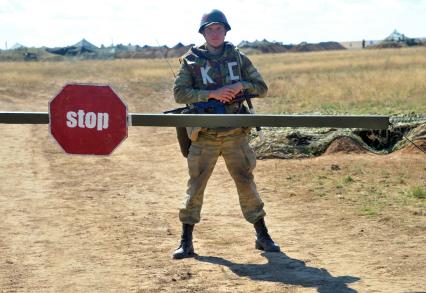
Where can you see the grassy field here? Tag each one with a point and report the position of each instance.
(357, 82)
(390, 81)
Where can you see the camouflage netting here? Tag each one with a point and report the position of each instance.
(291, 143)
(417, 135)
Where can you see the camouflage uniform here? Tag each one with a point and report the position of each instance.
(200, 73)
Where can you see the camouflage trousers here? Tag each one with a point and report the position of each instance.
(240, 161)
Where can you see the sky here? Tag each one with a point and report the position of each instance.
(57, 23)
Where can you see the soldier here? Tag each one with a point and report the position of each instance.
(218, 71)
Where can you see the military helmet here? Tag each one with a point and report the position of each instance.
(214, 16)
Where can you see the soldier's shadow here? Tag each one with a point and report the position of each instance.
(283, 269)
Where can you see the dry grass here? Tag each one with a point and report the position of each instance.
(374, 186)
(144, 84)
(357, 82)
(390, 81)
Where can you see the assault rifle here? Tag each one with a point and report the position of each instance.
(213, 106)
(216, 107)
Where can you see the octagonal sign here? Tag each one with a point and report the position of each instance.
(88, 119)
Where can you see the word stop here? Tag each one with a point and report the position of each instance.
(87, 120)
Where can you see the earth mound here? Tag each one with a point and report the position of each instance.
(414, 149)
(345, 145)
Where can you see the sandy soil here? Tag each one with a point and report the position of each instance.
(109, 224)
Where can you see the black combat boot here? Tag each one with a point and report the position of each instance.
(263, 240)
(186, 249)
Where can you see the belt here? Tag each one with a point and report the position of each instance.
(231, 132)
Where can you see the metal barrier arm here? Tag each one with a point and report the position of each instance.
(247, 120)
(24, 118)
(227, 120)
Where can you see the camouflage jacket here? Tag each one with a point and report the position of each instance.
(201, 72)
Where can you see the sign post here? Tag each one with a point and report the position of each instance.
(88, 119)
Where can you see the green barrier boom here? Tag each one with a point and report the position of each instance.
(228, 120)
(235, 120)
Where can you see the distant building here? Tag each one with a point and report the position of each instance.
(86, 45)
(395, 36)
(397, 40)
(82, 47)
(17, 46)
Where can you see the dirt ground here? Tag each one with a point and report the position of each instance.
(109, 224)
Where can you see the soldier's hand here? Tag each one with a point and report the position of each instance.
(235, 87)
(223, 94)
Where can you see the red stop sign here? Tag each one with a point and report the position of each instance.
(88, 119)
